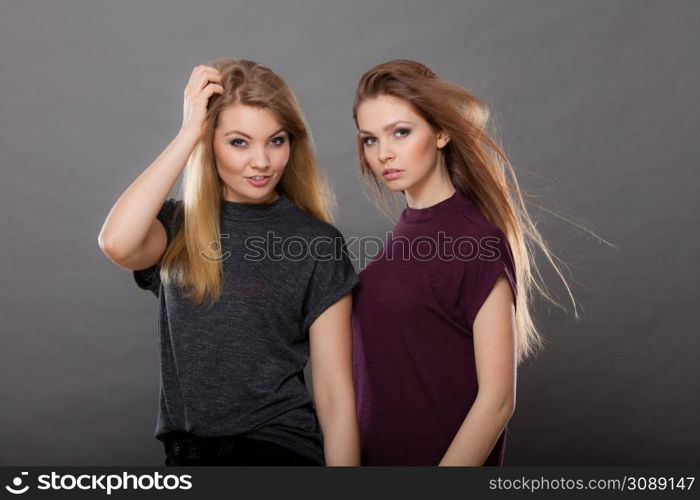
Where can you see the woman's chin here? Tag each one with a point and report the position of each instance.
(396, 186)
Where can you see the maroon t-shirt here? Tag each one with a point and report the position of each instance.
(413, 349)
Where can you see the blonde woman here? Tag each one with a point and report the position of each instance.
(251, 277)
(440, 317)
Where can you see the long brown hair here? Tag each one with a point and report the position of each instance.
(249, 83)
(477, 167)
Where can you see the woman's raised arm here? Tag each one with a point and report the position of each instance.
(131, 236)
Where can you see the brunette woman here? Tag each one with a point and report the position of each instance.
(440, 318)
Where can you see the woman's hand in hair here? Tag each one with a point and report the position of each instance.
(204, 81)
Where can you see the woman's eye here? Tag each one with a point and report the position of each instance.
(367, 141)
(237, 143)
(402, 132)
(278, 141)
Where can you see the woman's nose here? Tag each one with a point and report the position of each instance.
(260, 159)
(385, 153)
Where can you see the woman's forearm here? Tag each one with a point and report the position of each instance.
(130, 219)
(341, 441)
(478, 433)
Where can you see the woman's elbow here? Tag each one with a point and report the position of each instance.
(111, 248)
(105, 244)
(510, 409)
(334, 401)
(502, 404)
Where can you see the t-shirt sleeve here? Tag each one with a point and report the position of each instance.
(495, 257)
(333, 276)
(149, 278)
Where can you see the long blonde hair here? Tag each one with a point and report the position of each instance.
(202, 191)
(477, 167)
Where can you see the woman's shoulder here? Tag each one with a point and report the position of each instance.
(471, 222)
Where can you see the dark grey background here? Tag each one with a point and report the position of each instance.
(597, 104)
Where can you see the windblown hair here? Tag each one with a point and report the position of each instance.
(187, 261)
(477, 167)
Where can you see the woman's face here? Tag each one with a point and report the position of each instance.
(400, 146)
(251, 150)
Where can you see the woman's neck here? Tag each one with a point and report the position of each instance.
(432, 189)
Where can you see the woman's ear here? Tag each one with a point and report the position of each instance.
(443, 139)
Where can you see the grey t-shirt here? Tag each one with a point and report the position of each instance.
(237, 368)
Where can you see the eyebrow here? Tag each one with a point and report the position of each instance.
(249, 137)
(391, 125)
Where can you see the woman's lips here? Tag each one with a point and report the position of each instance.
(392, 173)
(259, 180)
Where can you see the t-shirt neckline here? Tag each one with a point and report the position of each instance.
(253, 211)
(457, 200)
